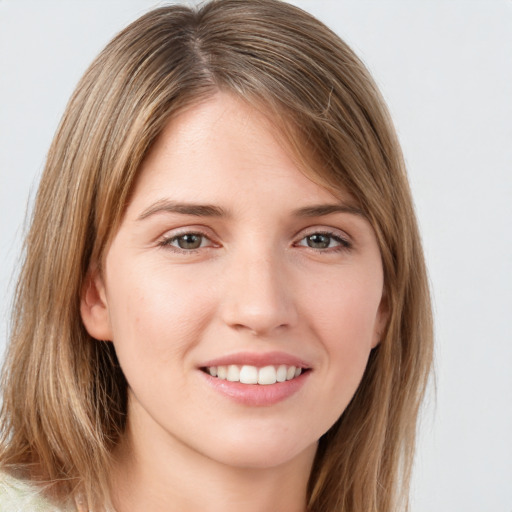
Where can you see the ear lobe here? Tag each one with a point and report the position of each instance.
(94, 307)
(380, 321)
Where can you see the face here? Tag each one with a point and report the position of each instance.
(242, 298)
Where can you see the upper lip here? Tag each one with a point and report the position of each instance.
(257, 359)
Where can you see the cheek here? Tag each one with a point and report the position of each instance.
(155, 316)
(156, 322)
(347, 308)
(345, 319)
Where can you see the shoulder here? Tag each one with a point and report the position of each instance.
(19, 496)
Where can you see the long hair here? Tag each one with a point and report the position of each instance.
(64, 395)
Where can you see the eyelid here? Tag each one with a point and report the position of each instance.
(345, 241)
(165, 240)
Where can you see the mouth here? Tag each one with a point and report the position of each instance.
(257, 379)
(254, 375)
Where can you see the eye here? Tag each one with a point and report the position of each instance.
(324, 240)
(187, 241)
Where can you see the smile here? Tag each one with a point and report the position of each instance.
(248, 374)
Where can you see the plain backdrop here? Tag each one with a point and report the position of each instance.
(445, 69)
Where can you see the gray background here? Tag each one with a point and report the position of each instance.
(445, 68)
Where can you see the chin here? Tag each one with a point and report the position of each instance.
(261, 451)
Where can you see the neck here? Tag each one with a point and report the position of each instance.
(172, 477)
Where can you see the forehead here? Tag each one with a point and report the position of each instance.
(226, 139)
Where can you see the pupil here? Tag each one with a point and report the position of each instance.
(318, 241)
(189, 241)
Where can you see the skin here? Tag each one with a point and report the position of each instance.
(255, 284)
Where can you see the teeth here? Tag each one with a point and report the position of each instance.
(249, 375)
(281, 373)
(253, 375)
(267, 375)
(222, 372)
(233, 373)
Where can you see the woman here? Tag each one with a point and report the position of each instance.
(224, 298)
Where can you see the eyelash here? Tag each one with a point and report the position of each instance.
(167, 242)
(343, 243)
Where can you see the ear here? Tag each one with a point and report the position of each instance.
(381, 321)
(94, 306)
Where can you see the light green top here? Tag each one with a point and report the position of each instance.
(19, 496)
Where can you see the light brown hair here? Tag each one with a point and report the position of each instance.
(64, 395)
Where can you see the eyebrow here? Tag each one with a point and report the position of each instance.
(197, 210)
(327, 209)
(208, 210)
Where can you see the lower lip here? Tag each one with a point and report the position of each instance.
(257, 394)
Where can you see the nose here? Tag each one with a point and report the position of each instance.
(258, 297)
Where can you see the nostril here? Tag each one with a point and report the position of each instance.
(258, 302)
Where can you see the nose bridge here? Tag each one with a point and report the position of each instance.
(258, 296)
